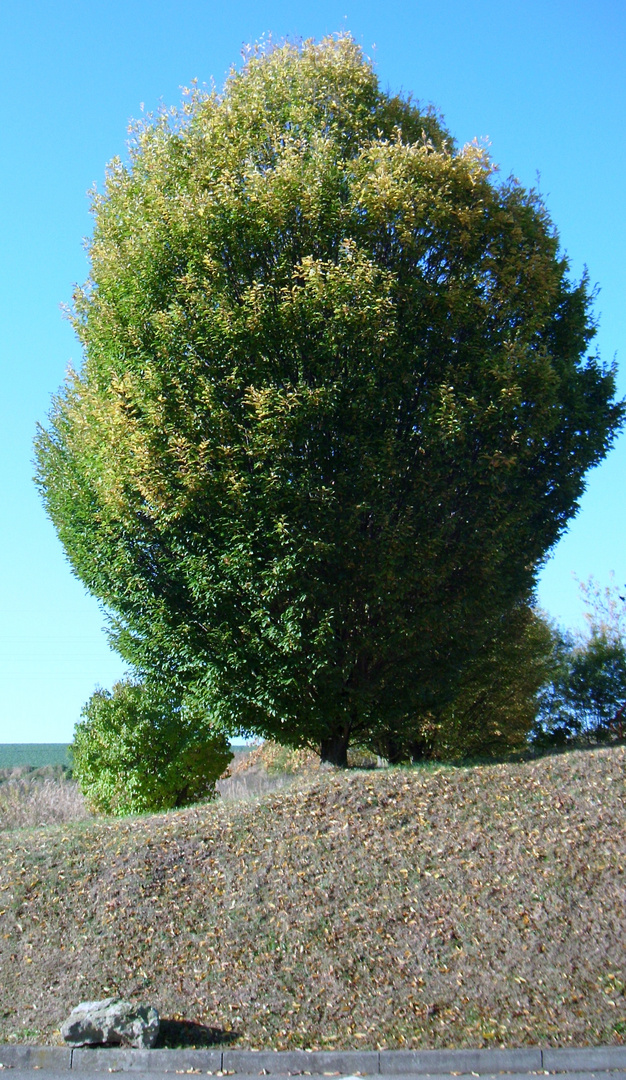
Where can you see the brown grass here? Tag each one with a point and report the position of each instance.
(263, 769)
(398, 908)
(28, 799)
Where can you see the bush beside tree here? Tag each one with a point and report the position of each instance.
(138, 750)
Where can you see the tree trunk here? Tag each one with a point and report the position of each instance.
(420, 750)
(334, 750)
(394, 751)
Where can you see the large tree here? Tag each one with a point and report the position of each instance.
(335, 407)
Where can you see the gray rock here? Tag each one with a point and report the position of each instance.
(111, 1022)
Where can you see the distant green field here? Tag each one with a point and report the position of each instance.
(39, 754)
(35, 754)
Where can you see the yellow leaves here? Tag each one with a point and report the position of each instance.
(420, 189)
(476, 155)
(129, 448)
(310, 269)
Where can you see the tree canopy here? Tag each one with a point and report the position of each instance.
(336, 403)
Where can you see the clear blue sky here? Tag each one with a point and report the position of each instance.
(545, 80)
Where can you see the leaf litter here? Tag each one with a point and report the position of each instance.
(399, 908)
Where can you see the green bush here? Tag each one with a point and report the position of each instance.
(138, 750)
(498, 700)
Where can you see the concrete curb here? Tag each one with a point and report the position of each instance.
(388, 1063)
(36, 1057)
(50, 1074)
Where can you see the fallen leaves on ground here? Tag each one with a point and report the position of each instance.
(394, 908)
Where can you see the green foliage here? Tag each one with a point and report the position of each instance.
(583, 700)
(597, 685)
(497, 699)
(137, 750)
(335, 407)
(555, 723)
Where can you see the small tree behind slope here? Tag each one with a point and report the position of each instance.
(584, 699)
(497, 703)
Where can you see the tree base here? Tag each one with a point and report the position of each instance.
(334, 751)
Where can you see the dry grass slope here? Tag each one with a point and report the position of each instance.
(398, 908)
(31, 797)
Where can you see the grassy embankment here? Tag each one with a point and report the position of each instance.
(399, 908)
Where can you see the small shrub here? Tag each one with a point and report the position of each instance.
(138, 750)
(287, 760)
(266, 768)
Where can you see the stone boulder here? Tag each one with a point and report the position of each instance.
(111, 1022)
